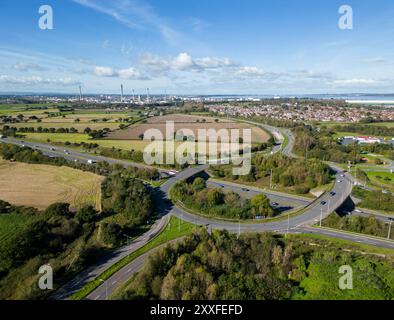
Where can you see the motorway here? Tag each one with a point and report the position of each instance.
(72, 155)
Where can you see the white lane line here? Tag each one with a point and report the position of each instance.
(115, 281)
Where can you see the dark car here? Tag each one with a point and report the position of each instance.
(323, 203)
(332, 193)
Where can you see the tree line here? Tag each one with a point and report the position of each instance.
(222, 266)
(215, 202)
(299, 174)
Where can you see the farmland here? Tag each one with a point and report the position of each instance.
(25, 184)
(183, 123)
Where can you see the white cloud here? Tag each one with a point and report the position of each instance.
(133, 14)
(36, 80)
(130, 73)
(104, 72)
(347, 82)
(185, 62)
(250, 71)
(28, 66)
(375, 60)
(208, 62)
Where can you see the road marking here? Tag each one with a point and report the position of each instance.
(115, 281)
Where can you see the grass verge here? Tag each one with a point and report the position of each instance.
(344, 244)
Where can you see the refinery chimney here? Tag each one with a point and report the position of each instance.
(121, 93)
(80, 93)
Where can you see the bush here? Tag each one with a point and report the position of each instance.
(86, 214)
(4, 207)
(58, 209)
(110, 234)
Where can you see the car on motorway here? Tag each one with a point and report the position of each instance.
(275, 204)
(332, 193)
(342, 175)
(53, 149)
(172, 173)
(90, 161)
(323, 203)
(245, 190)
(66, 152)
(2, 137)
(339, 181)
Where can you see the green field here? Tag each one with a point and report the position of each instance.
(385, 179)
(80, 137)
(10, 224)
(383, 124)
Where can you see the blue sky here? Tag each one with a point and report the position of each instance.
(197, 46)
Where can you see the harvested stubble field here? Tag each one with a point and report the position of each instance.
(182, 122)
(39, 186)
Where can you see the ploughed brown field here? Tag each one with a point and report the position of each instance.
(182, 122)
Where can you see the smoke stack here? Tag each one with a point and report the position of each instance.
(133, 96)
(80, 93)
(147, 91)
(121, 93)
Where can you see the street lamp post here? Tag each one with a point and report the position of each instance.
(127, 238)
(321, 216)
(389, 235)
(239, 226)
(106, 288)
